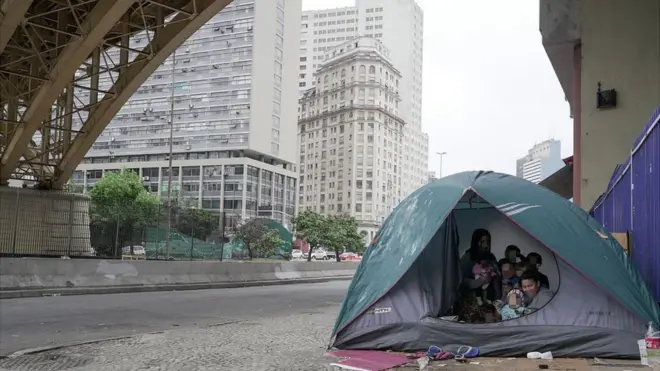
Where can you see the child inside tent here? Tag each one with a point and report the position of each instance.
(483, 269)
(510, 278)
(513, 307)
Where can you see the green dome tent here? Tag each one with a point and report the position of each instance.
(407, 281)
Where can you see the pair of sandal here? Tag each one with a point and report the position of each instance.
(461, 354)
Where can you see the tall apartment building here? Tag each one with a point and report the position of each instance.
(235, 111)
(321, 31)
(351, 135)
(399, 25)
(541, 161)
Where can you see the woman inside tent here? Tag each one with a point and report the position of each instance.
(478, 291)
(537, 295)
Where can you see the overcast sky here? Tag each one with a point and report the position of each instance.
(489, 90)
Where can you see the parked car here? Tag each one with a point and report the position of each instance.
(297, 254)
(350, 256)
(137, 250)
(319, 254)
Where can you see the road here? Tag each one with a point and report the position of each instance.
(48, 321)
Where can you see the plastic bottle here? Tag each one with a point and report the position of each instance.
(652, 340)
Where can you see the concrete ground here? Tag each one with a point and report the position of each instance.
(261, 328)
(287, 343)
(47, 321)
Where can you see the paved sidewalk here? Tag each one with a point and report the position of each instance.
(37, 322)
(287, 343)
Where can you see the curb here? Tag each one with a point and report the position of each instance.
(67, 291)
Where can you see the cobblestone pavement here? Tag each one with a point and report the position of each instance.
(37, 322)
(283, 343)
(287, 343)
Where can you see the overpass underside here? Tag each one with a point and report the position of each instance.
(68, 66)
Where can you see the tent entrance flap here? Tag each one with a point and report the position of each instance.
(424, 290)
(381, 277)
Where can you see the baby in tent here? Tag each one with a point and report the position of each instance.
(513, 307)
(484, 269)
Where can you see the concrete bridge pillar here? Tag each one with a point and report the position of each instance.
(38, 222)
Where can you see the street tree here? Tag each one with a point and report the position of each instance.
(342, 234)
(121, 206)
(354, 240)
(311, 227)
(188, 218)
(195, 222)
(256, 237)
(268, 244)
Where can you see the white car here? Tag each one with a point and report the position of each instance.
(297, 254)
(137, 250)
(319, 254)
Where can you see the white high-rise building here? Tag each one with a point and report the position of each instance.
(351, 135)
(541, 161)
(399, 25)
(235, 116)
(321, 31)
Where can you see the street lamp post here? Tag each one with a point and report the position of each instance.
(168, 237)
(222, 234)
(440, 154)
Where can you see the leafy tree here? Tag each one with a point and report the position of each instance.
(257, 237)
(336, 232)
(189, 219)
(269, 243)
(311, 227)
(334, 236)
(120, 204)
(342, 234)
(354, 240)
(198, 223)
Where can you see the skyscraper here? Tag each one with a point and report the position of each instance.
(541, 161)
(235, 103)
(351, 135)
(399, 25)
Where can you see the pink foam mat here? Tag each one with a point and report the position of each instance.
(369, 360)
